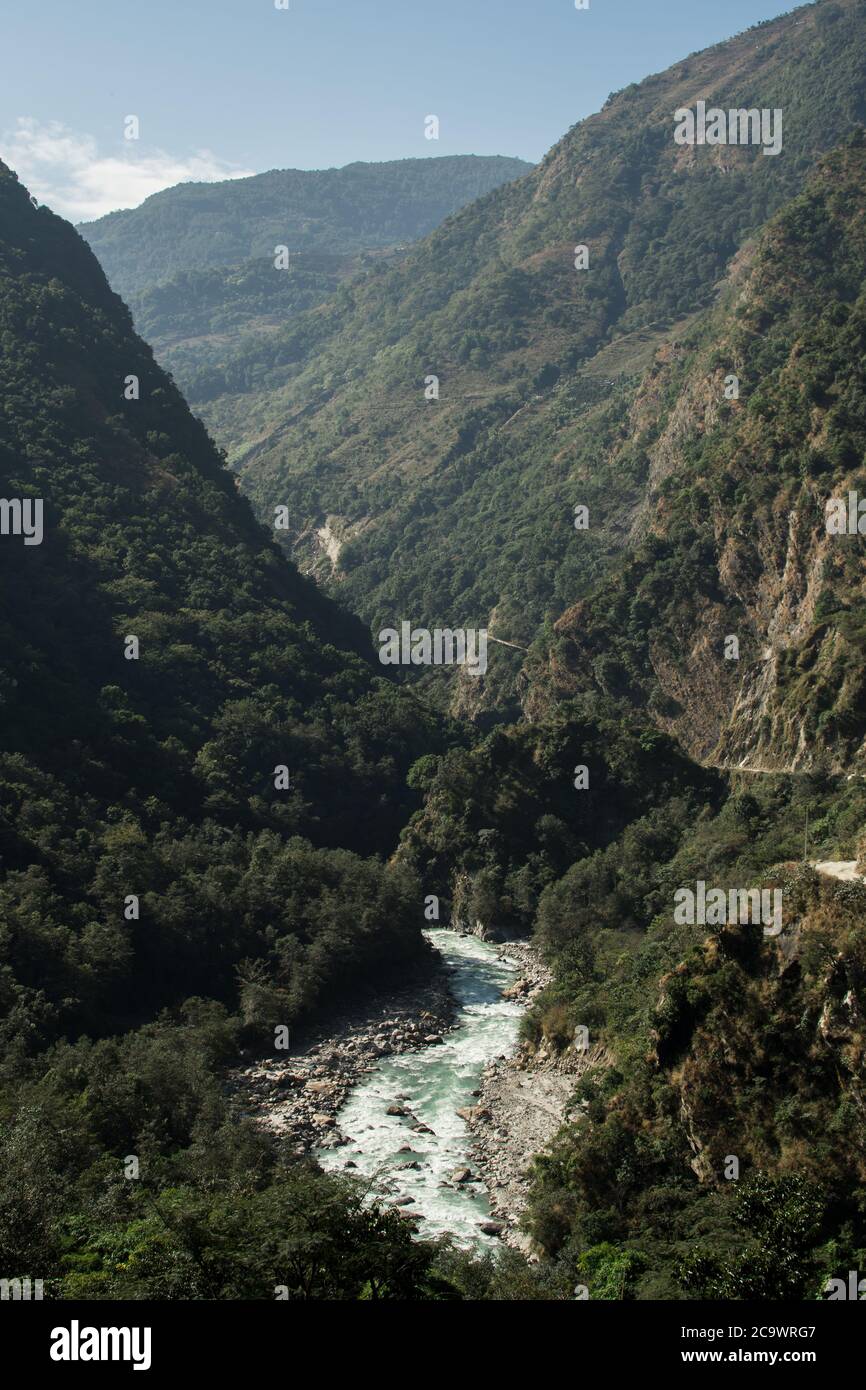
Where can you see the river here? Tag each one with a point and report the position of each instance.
(433, 1083)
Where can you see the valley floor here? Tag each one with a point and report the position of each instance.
(517, 1108)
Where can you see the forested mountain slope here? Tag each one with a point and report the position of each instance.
(461, 509)
(715, 1148)
(199, 266)
(167, 895)
(732, 540)
(216, 816)
(148, 767)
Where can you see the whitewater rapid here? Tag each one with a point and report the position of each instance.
(433, 1083)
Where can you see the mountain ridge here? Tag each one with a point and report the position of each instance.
(226, 222)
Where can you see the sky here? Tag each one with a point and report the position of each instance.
(226, 88)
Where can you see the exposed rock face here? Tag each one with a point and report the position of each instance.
(330, 541)
(737, 619)
(466, 920)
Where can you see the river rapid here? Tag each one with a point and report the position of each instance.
(432, 1083)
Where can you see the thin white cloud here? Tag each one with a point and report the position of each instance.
(64, 169)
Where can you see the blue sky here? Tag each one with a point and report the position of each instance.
(227, 87)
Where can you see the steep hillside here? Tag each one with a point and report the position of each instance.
(732, 538)
(709, 1045)
(507, 818)
(160, 662)
(167, 894)
(461, 509)
(721, 1154)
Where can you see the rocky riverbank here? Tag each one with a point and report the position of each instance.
(521, 1104)
(296, 1094)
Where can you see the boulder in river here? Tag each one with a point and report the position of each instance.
(491, 1228)
(461, 1175)
(334, 1140)
(516, 990)
(472, 1114)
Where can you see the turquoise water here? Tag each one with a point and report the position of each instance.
(433, 1083)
